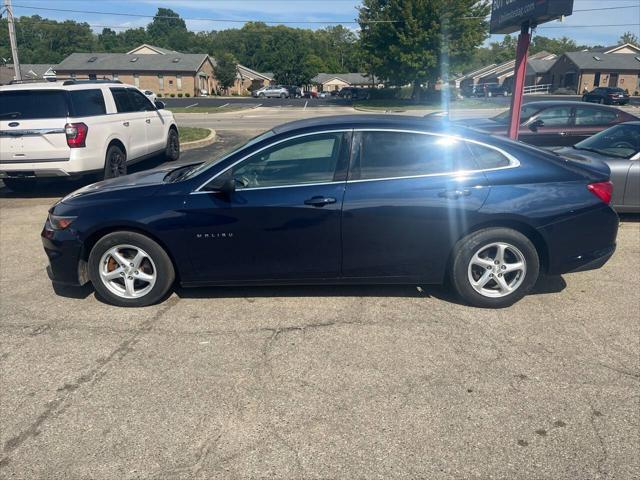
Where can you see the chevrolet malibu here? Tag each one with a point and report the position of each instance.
(340, 200)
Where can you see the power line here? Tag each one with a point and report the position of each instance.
(221, 20)
(593, 26)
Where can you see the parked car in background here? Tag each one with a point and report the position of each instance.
(354, 93)
(341, 200)
(310, 94)
(324, 95)
(486, 90)
(271, 91)
(150, 95)
(74, 128)
(607, 96)
(554, 123)
(619, 148)
(294, 92)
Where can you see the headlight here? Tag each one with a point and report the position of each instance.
(59, 222)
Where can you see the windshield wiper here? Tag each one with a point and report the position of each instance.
(10, 114)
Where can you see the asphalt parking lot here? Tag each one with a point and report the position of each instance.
(315, 382)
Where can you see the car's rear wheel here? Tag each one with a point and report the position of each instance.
(128, 269)
(20, 185)
(282, 95)
(115, 164)
(172, 151)
(494, 267)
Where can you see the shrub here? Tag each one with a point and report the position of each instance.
(187, 94)
(172, 95)
(636, 93)
(180, 95)
(159, 95)
(564, 91)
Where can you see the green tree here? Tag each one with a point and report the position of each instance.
(167, 26)
(225, 70)
(629, 37)
(418, 41)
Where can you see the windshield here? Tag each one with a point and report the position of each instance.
(199, 168)
(621, 141)
(526, 112)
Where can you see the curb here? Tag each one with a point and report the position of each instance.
(208, 140)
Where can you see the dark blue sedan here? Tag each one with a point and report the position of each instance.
(340, 200)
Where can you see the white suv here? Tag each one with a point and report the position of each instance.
(73, 128)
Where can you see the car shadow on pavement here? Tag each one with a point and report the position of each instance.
(545, 285)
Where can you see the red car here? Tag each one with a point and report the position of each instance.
(554, 123)
(310, 94)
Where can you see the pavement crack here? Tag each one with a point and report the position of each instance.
(93, 375)
(604, 458)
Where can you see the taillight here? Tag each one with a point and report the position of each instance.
(602, 190)
(76, 134)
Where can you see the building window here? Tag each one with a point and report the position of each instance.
(114, 76)
(179, 82)
(170, 82)
(596, 80)
(161, 82)
(92, 76)
(72, 75)
(136, 80)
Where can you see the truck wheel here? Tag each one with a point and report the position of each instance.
(115, 163)
(172, 150)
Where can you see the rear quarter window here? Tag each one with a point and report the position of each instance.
(487, 158)
(33, 104)
(87, 103)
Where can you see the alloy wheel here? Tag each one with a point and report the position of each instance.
(497, 270)
(127, 271)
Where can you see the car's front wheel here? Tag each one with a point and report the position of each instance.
(128, 269)
(494, 267)
(172, 150)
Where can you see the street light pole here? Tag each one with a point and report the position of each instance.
(12, 40)
(520, 72)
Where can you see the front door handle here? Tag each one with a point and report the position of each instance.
(319, 201)
(454, 194)
(126, 124)
(148, 120)
(562, 134)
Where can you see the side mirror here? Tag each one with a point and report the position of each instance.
(225, 185)
(536, 125)
(159, 105)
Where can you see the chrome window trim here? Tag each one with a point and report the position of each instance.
(343, 130)
(513, 161)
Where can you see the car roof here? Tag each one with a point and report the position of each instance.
(59, 85)
(564, 103)
(380, 120)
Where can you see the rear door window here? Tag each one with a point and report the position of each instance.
(87, 103)
(487, 158)
(121, 98)
(399, 154)
(33, 104)
(594, 116)
(139, 103)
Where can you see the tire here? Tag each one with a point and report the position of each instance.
(115, 163)
(485, 243)
(282, 95)
(20, 185)
(148, 279)
(172, 150)
(261, 95)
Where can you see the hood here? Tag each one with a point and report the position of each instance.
(128, 186)
(484, 124)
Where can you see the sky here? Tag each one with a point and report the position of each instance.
(211, 15)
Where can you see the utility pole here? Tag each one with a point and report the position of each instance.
(12, 40)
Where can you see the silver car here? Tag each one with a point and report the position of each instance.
(619, 148)
(272, 91)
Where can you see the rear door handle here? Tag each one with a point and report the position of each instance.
(454, 194)
(319, 201)
(126, 124)
(148, 120)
